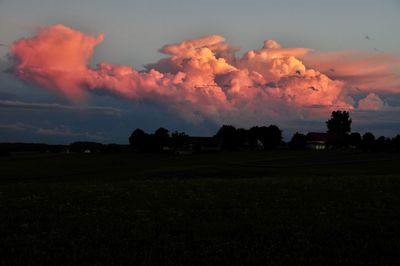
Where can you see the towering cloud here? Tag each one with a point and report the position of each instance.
(56, 58)
(198, 78)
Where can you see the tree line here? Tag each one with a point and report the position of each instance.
(365, 142)
(227, 138)
(338, 136)
(339, 126)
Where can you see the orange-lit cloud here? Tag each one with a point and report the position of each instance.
(372, 102)
(360, 71)
(56, 58)
(199, 78)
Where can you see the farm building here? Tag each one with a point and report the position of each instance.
(319, 141)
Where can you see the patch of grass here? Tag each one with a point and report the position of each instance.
(274, 208)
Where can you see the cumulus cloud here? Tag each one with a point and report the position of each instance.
(372, 102)
(198, 79)
(56, 58)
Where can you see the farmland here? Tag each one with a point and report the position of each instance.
(238, 208)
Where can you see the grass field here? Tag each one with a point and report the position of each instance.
(259, 208)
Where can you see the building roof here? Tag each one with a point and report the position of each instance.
(323, 137)
(203, 141)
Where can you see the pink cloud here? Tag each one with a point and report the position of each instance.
(56, 58)
(372, 102)
(198, 78)
(360, 71)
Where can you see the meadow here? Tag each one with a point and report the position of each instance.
(233, 208)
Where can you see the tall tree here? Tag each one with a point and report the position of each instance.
(298, 141)
(368, 141)
(354, 139)
(275, 136)
(227, 136)
(339, 123)
(383, 144)
(396, 143)
(253, 136)
(242, 137)
(270, 136)
(139, 140)
(161, 138)
(178, 139)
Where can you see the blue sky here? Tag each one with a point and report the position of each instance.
(135, 30)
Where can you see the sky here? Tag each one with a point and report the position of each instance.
(195, 65)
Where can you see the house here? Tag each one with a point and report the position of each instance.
(319, 141)
(204, 144)
(199, 144)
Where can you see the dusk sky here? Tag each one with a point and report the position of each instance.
(96, 70)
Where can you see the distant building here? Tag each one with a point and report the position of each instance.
(204, 144)
(319, 141)
(199, 144)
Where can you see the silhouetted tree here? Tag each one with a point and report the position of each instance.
(383, 144)
(270, 136)
(161, 138)
(298, 141)
(227, 136)
(253, 136)
(178, 139)
(396, 143)
(241, 137)
(368, 141)
(139, 140)
(339, 123)
(274, 137)
(354, 140)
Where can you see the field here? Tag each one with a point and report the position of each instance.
(239, 208)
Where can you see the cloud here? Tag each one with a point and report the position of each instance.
(59, 107)
(203, 78)
(16, 126)
(361, 72)
(60, 131)
(56, 58)
(372, 102)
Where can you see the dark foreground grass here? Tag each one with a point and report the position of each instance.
(272, 208)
